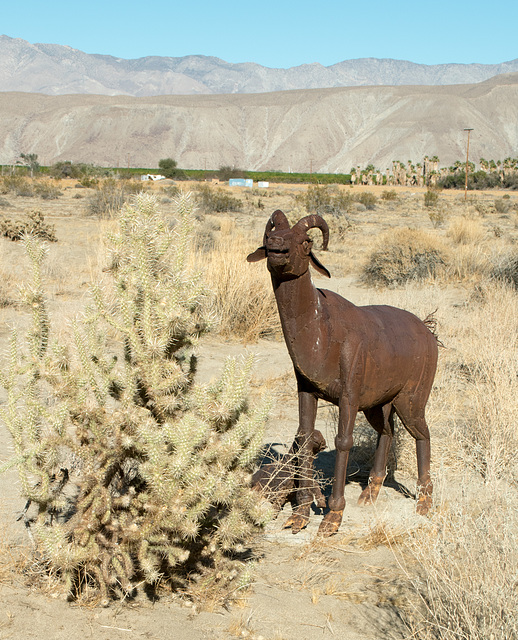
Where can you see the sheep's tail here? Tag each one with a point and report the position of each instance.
(431, 324)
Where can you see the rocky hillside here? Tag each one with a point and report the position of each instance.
(56, 70)
(327, 130)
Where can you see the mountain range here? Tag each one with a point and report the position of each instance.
(55, 69)
(54, 102)
(324, 130)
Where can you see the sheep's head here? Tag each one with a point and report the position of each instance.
(288, 249)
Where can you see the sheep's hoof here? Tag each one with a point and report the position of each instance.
(370, 494)
(424, 503)
(330, 524)
(298, 520)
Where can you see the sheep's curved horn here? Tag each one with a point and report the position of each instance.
(311, 222)
(278, 221)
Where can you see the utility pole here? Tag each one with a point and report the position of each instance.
(467, 166)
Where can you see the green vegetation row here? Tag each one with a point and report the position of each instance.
(491, 175)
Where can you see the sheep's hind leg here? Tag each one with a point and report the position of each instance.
(382, 420)
(415, 424)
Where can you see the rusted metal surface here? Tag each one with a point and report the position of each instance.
(377, 359)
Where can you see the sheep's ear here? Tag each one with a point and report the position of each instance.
(318, 265)
(258, 254)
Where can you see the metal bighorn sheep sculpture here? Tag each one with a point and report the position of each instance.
(377, 359)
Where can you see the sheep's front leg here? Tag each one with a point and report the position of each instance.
(343, 443)
(303, 452)
(352, 366)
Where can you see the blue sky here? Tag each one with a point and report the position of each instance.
(275, 34)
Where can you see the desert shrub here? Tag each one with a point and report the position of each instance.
(502, 205)
(402, 255)
(77, 170)
(340, 228)
(47, 190)
(34, 224)
(216, 200)
(368, 199)
(109, 197)
(171, 191)
(316, 199)
(431, 198)
(19, 185)
(138, 473)
(324, 200)
(437, 216)
(506, 270)
(88, 182)
(389, 195)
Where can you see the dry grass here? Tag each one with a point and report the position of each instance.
(7, 288)
(463, 571)
(243, 304)
(488, 434)
(466, 230)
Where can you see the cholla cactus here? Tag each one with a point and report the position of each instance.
(159, 465)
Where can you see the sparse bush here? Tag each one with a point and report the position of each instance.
(502, 205)
(507, 270)
(19, 185)
(47, 190)
(368, 199)
(403, 255)
(89, 182)
(139, 474)
(431, 198)
(316, 199)
(389, 195)
(325, 200)
(437, 216)
(34, 225)
(172, 191)
(216, 200)
(109, 197)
